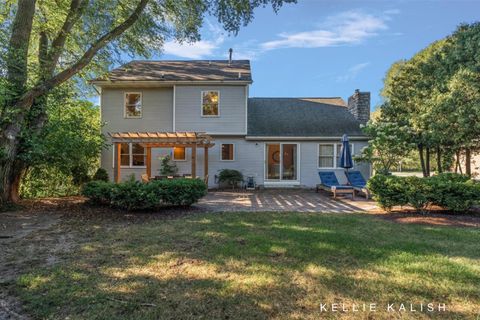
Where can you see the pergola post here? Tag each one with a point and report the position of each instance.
(149, 162)
(194, 161)
(117, 172)
(205, 164)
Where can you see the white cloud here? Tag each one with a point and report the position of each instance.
(199, 49)
(353, 72)
(347, 28)
(196, 50)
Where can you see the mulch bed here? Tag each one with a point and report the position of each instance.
(78, 207)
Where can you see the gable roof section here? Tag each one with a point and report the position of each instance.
(300, 117)
(178, 71)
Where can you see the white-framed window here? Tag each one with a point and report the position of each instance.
(133, 105)
(326, 155)
(179, 154)
(211, 103)
(329, 155)
(132, 155)
(227, 152)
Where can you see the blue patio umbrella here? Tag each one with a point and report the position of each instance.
(345, 154)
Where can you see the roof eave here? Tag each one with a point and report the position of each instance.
(155, 83)
(270, 138)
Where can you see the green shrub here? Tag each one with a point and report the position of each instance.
(133, 195)
(230, 176)
(100, 175)
(388, 191)
(47, 181)
(448, 190)
(454, 192)
(98, 192)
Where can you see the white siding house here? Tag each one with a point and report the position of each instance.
(281, 142)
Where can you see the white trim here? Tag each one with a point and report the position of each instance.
(239, 134)
(180, 160)
(246, 109)
(273, 183)
(125, 104)
(174, 102)
(297, 138)
(280, 180)
(335, 154)
(201, 104)
(234, 150)
(153, 83)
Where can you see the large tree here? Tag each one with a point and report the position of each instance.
(46, 43)
(435, 95)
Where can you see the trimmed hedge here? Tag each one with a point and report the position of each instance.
(134, 195)
(448, 190)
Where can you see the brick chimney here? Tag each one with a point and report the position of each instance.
(359, 106)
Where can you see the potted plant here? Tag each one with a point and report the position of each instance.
(230, 177)
(167, 166)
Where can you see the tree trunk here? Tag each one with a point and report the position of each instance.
(468, 162)
(427, 161)
(422, 160)
(439, 160)
(11, 168)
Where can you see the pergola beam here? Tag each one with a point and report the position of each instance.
(149, 140)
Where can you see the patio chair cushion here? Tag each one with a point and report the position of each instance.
(328, 178)
(356, 179)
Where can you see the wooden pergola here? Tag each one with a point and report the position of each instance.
(151, 140)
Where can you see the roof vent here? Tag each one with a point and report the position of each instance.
(239, 75)
(230, 52)
(163, 75)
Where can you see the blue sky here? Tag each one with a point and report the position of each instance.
(328, 48)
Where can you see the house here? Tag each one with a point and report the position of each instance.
(200, 113)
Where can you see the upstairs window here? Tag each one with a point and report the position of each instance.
(227, 152)
(210, 101)
(133, 105)
(179, 154)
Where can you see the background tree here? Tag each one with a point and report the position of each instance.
(46, 43)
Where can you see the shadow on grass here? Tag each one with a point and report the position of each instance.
(257, 265)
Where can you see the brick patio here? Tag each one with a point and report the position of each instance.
(301, 200)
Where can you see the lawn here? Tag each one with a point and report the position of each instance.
(256, 266)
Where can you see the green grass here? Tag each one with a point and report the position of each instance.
(256, 266)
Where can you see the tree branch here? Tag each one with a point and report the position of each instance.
(27, 99)
(74, 13)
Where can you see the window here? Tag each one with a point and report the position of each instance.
(329, 155)
(132, 155)
(133, 105)
(125, 154)
(138, 155)
(326, 155)
(227, 152)
(210, 101)
(179, 154)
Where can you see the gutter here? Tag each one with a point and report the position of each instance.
(305, 138)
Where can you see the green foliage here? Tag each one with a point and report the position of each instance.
(448, 190)
(98, 192)
(435, 96)
(64, 155)
(101, 175)
(47, 181)
(230, 176)
(167, 166)
(134, 195)
(388, 145)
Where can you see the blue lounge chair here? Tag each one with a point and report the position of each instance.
(330, 183)
(357, 181)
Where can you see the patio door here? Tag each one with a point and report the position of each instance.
(281, 163)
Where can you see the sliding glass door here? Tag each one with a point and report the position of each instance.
(281, 161)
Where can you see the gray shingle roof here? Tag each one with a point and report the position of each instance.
(302, 117)
(176, 70)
